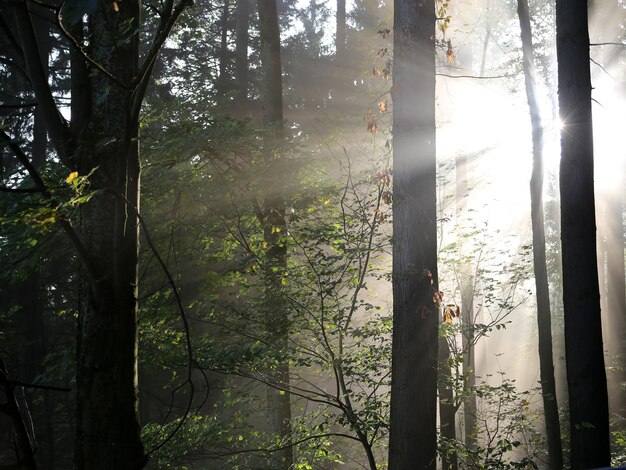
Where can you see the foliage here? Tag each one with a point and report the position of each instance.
(506, 434)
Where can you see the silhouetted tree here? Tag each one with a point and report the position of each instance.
(273, 221)
(586, 376)
(101, 141)
(544, 322)
(413, 435)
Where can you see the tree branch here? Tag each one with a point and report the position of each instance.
(57, 126)
(140, 82)
(81, 50)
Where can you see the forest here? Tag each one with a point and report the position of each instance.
(312, 234)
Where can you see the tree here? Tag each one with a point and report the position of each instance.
(467, 286)
(100, 145)
(242, 38)
(274, 228)
(544, 323)
(340, 34)
(413, 438)
(586, 376)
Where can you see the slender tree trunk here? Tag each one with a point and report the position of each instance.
(241, 50)
(447, 409)
(222, 79)
(277, 321)
(467, 311)
(31, 314)
(413, 434)
(544, 322)
(340, 34)
(108, 431)
(586, 377)
(611, 280)
(614, 294)
(470, 406)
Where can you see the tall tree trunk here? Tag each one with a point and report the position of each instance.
(544, 322)
(586, 376)
(222, 80)
(340, 34)
(277, 321)
(468, 318)
(615, 298)
(447, 408)
(467, 311)
(242, 37)
(108, 431)
(413, 434)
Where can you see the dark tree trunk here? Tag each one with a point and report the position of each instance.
(271, 84)
(102, 142)
(544, 322)
(447, 408)
(222, 80)
(277, 321)
(42, 31)
(242, 38)
(108, 431)
(468, 319)
(340, 35)
(24, 454)
(586, 377)
(413, 434)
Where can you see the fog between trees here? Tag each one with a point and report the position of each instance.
(209, 211)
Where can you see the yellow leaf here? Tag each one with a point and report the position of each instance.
(73, 175)
(264, 245)
(275, 229)
(116, 7)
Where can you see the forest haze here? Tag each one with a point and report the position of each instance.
(224, 224)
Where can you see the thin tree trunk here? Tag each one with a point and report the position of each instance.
(277, 321)
(447, 410)
(586, 377)
(615, 298)
(31, 315)
(241, 50)
(340, 35)
(544, 321)
(222, 80)
(467, 312)
(413, 434)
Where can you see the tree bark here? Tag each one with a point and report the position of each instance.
(447, 409)
(413, 434)
(274, 226)
(222, 80)
(340, 35)
(544, 322)
(108, 431)
(586, 376)
(242, 38)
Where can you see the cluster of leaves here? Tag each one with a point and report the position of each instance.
(506, 433)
